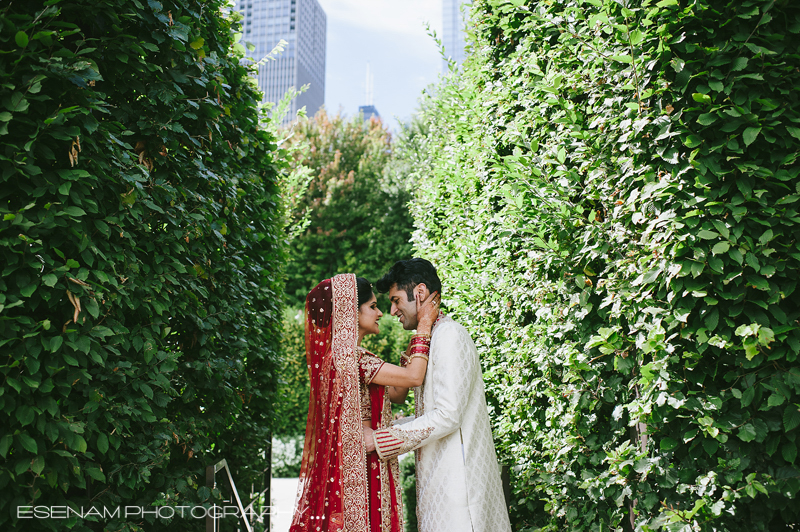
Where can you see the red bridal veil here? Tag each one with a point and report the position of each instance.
(332, 494)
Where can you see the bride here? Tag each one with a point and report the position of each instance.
(342, 488)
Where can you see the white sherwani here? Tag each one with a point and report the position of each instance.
(458, 478)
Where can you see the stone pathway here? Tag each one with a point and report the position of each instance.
(284, 491)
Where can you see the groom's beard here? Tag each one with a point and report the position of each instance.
(409, 323)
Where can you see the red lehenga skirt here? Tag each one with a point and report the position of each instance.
(383, 478)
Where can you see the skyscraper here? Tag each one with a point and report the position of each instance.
(368, 110)
(303, 25)
(453, 31)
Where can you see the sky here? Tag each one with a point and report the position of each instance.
(390, 35)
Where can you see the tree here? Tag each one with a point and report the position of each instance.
(358, 219)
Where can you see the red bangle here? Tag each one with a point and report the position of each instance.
(420, 349)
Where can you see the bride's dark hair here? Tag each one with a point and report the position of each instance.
(364, 289)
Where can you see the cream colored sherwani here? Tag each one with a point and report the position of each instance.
(458, 478)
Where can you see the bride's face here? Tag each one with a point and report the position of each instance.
(368, 316)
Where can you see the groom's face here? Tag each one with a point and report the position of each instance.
(402, 308)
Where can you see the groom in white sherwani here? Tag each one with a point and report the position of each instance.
(458, 477)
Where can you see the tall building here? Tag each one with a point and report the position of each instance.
(453, 31)
(368, 110)
(303, 25)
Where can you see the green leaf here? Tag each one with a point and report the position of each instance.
(5, 443)
(197, 43)
(692, 141)
(707, 235)
(739, 64)
(747, 396)
(25, 414)
(791, 417)
(21, 38)
(701, 98)
(102, 443)
(55, 343)
(50, 280)
(750, 135)
(668, 443)
(720, 247)
(17, 103)
(78, 443)
(789, 451)
(28, 290)
(96, 473)
(775, 399)
(747, 432)
(74, 211)
(766, 237)
(37, 465)
(794, 131)
(84, 344)
(92, 307)
(707, 119)
(716, 264)
(28, 443)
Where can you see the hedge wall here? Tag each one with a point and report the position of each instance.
(139, 249)
(612, 200)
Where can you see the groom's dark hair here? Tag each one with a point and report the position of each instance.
(407, 274)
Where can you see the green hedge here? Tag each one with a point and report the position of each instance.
(139, 249)
(612, 200)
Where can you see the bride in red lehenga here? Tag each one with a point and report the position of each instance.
(341, 488)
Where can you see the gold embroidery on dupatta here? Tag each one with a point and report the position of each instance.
(345, 357)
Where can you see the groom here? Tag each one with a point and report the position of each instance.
(458, 478)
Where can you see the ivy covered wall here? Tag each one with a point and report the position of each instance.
(139, 259)
(612, 201)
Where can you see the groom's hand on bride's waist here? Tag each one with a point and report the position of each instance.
(369, 441)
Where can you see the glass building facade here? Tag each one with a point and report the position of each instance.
(303, 25)
(453, 31)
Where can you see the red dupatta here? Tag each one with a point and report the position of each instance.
(332, 492)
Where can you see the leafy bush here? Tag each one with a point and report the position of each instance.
(357, 214)
(612, 200)
(408, 470)
(139, 293)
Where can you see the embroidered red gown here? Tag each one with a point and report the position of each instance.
(385, 508)
(340, 488)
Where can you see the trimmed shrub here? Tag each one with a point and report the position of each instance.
(139, 259)
(612, 201)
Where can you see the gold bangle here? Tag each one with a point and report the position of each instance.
(412, 357)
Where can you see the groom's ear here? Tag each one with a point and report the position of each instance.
(422, 290)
